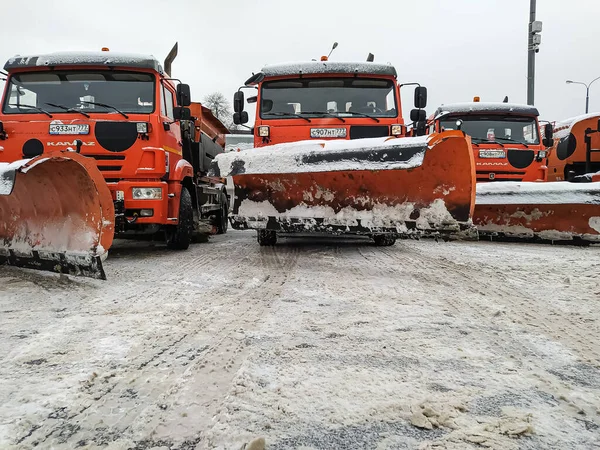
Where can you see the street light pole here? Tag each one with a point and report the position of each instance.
(587, 91)
(534, 40)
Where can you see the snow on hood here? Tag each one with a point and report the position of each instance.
(541, 193)
(290, 157)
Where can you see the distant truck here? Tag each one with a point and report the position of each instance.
(507, 139)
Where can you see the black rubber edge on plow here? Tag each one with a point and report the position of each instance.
(59, 263)
(318, 225)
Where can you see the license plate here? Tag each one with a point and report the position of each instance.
(492, 154)
(56, 128)
(327, 132)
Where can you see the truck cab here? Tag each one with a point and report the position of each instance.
(325, 100)
(506, 138)
(125, 112)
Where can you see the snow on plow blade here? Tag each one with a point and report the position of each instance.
(403, 186)
(56, 214)
(553, 211)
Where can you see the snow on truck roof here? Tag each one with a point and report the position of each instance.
(486, 107)
(319, 67)
(84, 59)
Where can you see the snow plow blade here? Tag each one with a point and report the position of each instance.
(562, 211)
(56, 214)
(400, 186)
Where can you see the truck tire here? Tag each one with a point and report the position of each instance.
(179, 236)
(384, 240)
(266, 237)
(223, 217)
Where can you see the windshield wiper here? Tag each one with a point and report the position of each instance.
(325, 113)
(487, 141)
(21, 105)
(68, 109)
(513, 142)
(107, 106)
(363, 115)
(287, 114)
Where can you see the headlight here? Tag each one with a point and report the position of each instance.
(396, 130)
(492, 154)
(142, 127)
(542, 154)
(147, 193)
(263, 131)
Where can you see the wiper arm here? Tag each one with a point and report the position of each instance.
(287, 114)
(21, 105)
(512, 141)
(325, 113)
(68, 109)
(107, 106)
(363, 115)
(487, 140)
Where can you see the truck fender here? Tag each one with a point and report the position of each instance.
(182, 170)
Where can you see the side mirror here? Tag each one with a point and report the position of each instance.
(548, 141)
(420, 97)
(252, 99)
(181, 113)
(238, 102)
(240, 117)
(459, 123)
(184, 97)
(417, 115)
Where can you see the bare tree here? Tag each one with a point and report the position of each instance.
(219, 106)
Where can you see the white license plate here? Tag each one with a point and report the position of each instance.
(492, 154)
(327, 132)
(56, 128)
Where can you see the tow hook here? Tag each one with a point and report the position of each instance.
(133, 219)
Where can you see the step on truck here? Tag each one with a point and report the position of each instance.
(331, 155)
(97, 145)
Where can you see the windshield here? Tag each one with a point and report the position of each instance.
(57, 91)
(326, 96)
(521, 130)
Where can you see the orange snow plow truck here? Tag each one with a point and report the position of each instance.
(332, 156)
(515, 157)
(100, 144)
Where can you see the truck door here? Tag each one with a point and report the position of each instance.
(172, 139)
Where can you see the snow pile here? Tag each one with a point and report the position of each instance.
(531, 193)
(346, 155)
(7, 175)
(339, 67)
(379, 215)
(483, 107)
(112, 58)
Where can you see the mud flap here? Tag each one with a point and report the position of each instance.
(401, 186)
(554, 211)
(56, 214)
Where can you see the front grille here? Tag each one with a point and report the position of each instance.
(109, 168)
(361, 131)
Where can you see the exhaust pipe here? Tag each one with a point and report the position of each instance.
(170, 58)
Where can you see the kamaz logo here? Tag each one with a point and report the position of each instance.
(66, 144)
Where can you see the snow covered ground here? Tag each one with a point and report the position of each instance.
(313, 344)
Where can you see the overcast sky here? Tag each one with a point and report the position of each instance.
(457, 48)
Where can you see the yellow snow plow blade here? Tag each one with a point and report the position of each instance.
(56, 214)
